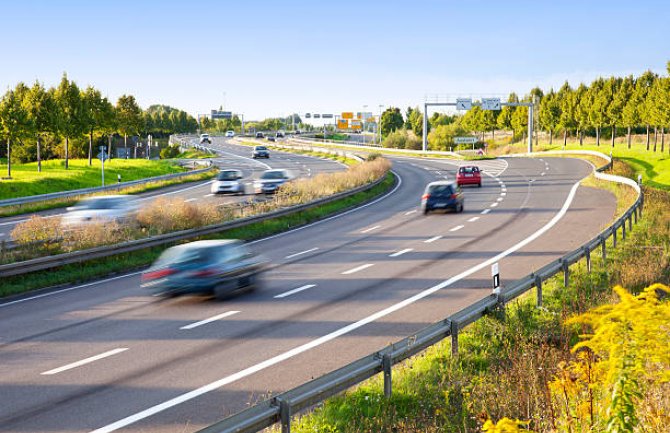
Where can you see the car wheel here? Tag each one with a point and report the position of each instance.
(223, 290)
(460, 208)
(425, 211)
(479, 185)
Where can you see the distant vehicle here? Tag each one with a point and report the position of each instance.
(228, 181)
(217, 267)
(297, 132)
(270, 139)
(443, 194)
(271, 180)
(230, 133)
(204, 138)
(259, 135)
(105, 208)
(469, 175)
(279, 134)
(260, 152)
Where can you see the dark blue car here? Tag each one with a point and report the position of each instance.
(443, 195)
(217, 267)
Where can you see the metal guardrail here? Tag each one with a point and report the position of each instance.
(280, 408)
(83, 191)
(49, 262)
(376, 148)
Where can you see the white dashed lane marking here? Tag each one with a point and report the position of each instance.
(294, 291)
(401, 252)
(433, 239)
(358, 268)
(210, 320)
(85, 361)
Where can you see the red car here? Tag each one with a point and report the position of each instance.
(469, 175)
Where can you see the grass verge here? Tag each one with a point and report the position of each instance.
(71, 274)
(507, 360)
(64, 202)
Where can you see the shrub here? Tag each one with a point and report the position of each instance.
(170, 152)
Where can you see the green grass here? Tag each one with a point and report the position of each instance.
(194, 154)
(653, 166)
(506, 358)
(27, 181)
(64, 202)
(122, 263)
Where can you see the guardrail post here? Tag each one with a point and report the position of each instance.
(614, 236)
(623, 229)
(587, 254)
(386, 365)
(538, 286)
(630, 222)
(566, 273)
(603, 241)
(454, 338)
(284, 415)
(635, 214)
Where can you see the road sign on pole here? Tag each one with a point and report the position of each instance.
(103, 156)
(491, 104)
(465, 140)
(463, 103)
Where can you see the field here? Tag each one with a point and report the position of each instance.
(54, 177)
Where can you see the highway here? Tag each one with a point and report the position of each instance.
(105, 356)
(233, 156)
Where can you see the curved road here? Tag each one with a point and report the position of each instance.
(228, 156)
(105, 356)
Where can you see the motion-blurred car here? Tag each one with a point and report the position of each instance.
(260, 152)
(270, 139)
(217, 267)
(259, 135)
(230, 133)
(279, 134)
(228, 181)
(443, 194)
(271, 180)
(204, 138)
(105, 208)
(469, 175)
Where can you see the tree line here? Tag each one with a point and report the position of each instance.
(613, 106)
(64, 121)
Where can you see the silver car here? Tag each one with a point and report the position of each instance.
(271, 180)
(228, 181)
(118, 208)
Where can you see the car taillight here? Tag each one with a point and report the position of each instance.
(425, 197)
(157, 274)
(454, 195)
(203, 273)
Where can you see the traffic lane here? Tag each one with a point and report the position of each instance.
(448, 298)
(18, 319)
(109, 326)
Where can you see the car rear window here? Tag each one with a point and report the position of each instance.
(227, 175)
(468, 170)
(440, 189)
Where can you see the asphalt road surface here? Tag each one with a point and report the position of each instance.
(105, 356)
(228, 156)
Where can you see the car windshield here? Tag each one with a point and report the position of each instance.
(439, 189)
(227, 175)
(272, 175)
(101, 203)
(469, 170)
(261, 148)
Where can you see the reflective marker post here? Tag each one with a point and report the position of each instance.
(496, 279)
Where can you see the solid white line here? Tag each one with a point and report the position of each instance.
(433, 239)
(210, 320)
(494, 204)
(370, 229)
(410, 212)
(335, 334)
(22, 220)
(294, 291)
(190, 200)
(401, 252)
(485, 211)
(457, 228)
(358, 268)
(473, 219)
(84, 361)
(301, 253)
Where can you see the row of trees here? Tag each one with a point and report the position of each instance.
(32, 116)
(633, 104)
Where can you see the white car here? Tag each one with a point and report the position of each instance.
(105, 208)
(230, 133)
(204, 138)
(228, 181)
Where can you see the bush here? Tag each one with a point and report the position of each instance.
(402, 139)
(170, 152)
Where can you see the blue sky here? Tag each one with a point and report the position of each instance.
(269, 58)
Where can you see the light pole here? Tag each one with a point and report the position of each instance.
(379, 124)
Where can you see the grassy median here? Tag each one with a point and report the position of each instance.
(123, 263)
